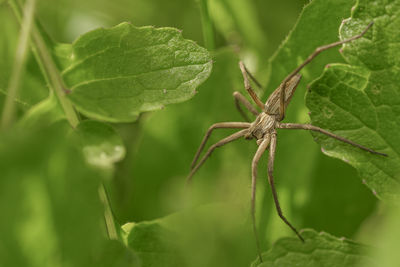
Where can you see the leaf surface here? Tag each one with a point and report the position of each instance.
(114, 74)
(361, 100)
(319, 250)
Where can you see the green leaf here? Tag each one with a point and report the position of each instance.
(153, 243)
(101, 144)
(319, 250)
(115, 74)
(361, 101)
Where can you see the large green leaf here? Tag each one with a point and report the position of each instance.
(319, 250)
(361, 101)
(114, 74)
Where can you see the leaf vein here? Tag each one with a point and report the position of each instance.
(136, 75)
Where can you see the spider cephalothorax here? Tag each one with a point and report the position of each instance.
(263, 125)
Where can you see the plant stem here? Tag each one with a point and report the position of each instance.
(19, 65)
(108, 215)
(207, 25)
(55, 79)
(50, 69)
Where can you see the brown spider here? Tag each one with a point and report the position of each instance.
(263, 129)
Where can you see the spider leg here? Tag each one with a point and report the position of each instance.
(261, 149)
(224, 141)
(271, 183)
(252, 77)
(248, 87)
(308, 60)
(320, 130)
(223, 125)
(239, 98)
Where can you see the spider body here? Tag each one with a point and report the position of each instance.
(266, 122)
(263, 128)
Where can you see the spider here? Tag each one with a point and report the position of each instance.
(263, 128)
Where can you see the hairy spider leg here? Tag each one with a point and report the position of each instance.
(271, 106)
(220, 125)
(239, 98)
(260, 151)
(271, 160)
(320, 130)
(248, 87)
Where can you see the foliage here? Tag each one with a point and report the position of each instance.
(319, 249)
(108, 189)
(114, 74)
(361, 97)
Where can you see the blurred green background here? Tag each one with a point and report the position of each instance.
(315, 191)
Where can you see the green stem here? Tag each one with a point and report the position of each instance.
(108, 215)
(207, 25)
(19, 65)
(55, 79)
(51, 71)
